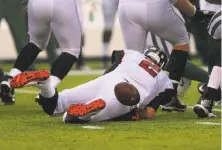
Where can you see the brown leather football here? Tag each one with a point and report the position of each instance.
(127, 94)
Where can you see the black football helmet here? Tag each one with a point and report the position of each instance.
(157, 55)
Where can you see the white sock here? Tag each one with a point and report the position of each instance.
(14, 72)
(215, 78)
(47, 90)
(54, 81)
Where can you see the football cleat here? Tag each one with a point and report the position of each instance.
(204, 108)
(7, 92)
(29, 78)
(80, 110)
(81, 113)
(174, 105)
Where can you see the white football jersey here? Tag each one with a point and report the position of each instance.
(204, 5)
(147, 77)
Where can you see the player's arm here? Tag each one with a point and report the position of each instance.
(186, 7)
(150, 111)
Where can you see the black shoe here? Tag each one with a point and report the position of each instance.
(174, 105)
(203, 108)
(7, 93)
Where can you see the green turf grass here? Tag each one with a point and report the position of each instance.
(24, 126)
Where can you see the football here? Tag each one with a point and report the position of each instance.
(127, 94)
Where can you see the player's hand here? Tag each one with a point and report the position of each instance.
(148, 113)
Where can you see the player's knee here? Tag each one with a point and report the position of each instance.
(40, 44)
(48, 104)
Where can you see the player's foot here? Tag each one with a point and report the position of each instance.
(204, 108)
(29, 78)
(79, 110)
(174, 105)
(7, 92)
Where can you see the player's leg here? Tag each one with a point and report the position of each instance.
(55, 103)
(173, 30)
(191, 71)
(108, 106)
(39, 30)
(67, 28)
(109, 9)
(51, 50)
(133, 24)
(213, 91)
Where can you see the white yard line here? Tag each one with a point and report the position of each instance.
(209, 123)
(86, 72)
(26, 91)
(93, 127)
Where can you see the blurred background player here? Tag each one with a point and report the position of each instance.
(212, 92)
(198, 26)
(109, 10)
(12, 12)
(44, 16)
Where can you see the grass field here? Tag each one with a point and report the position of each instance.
(24, 126)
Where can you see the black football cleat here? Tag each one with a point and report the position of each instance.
(174, 105)
(203, 108)
(7, 93)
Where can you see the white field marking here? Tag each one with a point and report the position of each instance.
(27, 91)
(93, 127)
(218, 110)
(86, 72)
(208, 123)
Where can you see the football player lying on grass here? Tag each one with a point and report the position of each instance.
(138, 82)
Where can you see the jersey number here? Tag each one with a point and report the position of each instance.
(150, 67)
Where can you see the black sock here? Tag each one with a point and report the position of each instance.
(213, 94)
(62, 65)
(107, 36)
(176, 65)
(26, 57)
